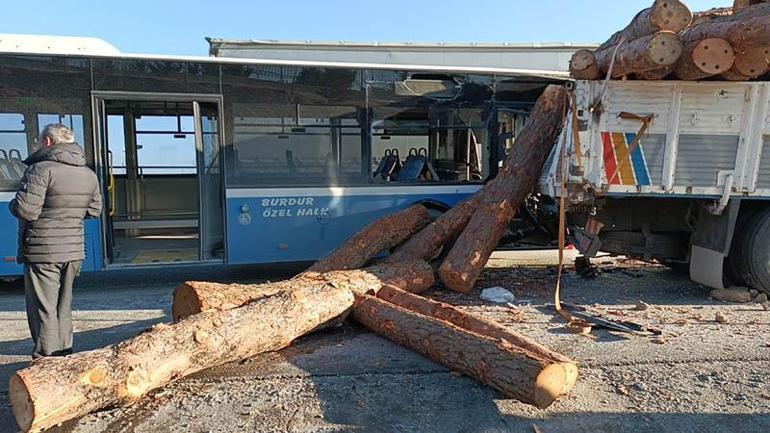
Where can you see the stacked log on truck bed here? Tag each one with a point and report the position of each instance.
(668, 41)
(219, 323)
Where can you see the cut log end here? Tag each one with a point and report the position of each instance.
(671, 15)
(21, 402)
(665, 48)
(583, 65)
(549, 385)
(752, 63)
(713, 56)
(186, 302)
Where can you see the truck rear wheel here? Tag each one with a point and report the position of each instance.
(749, 257)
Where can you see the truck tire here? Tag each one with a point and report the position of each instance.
(749, 257)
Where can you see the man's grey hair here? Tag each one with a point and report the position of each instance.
(58, 133)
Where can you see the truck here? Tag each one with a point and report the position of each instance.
(674, 171)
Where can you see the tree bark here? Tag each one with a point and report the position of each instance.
(583, 65)
(671, 15)
(745, 29)
(749, 65)
(704, 58)
(194, 297)
(382, 234)
(428, 242)
(54, 390)
(501, 197)
(515, 372)
(655, 74)
(646, 53)
(743, 4)
(448, 313)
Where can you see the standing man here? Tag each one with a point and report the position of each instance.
(56, 193)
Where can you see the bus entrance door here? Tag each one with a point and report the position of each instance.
(163, 181)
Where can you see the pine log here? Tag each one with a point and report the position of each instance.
(671, 15)
(515, 372)
(655, 74)
(644, 54)
(428, 242)
(704, 16)
(583, 65)
(743, 30)
(53, 390)
(749, 65)
(500, 198)
(704, 58)
(446, 312)
(194, 297)
(382, 234)
(743, 4)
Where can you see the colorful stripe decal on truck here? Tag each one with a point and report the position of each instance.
(621, 166)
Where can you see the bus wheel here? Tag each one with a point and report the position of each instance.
(749, 257)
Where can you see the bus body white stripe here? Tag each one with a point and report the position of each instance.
(7, 196)
(352, 191)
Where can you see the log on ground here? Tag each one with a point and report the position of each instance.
(644, 54)
(428, 242)
(704, 58)
(513, 371)
(500, 198)
(54, 390)
(671, 15)
(194, 297)
(380, 235)
(441, 311)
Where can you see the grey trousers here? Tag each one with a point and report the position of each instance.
(48, 287)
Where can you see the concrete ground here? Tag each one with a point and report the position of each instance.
(700, 376)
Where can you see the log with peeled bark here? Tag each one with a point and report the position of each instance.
(53, 390)
(428, 242)
(745, 29)
(194, 297)
(644, 54)
(583, 65)
(380, 235)
(513, 371)
(749, 65)
(704, 58)
(672, 15)
(446, 312)
(501, 197)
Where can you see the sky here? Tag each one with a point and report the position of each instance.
(178, 27)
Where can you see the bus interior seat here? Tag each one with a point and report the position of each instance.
(417, 166)
(16, 162)
(389, 166)
(7, 173)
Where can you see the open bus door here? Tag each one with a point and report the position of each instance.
(163, 178)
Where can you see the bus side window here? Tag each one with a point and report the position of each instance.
(72, 121)
(13, 150)
(434, 144)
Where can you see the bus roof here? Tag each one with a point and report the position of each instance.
(98, 48)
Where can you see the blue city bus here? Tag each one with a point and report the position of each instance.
(234, 161)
